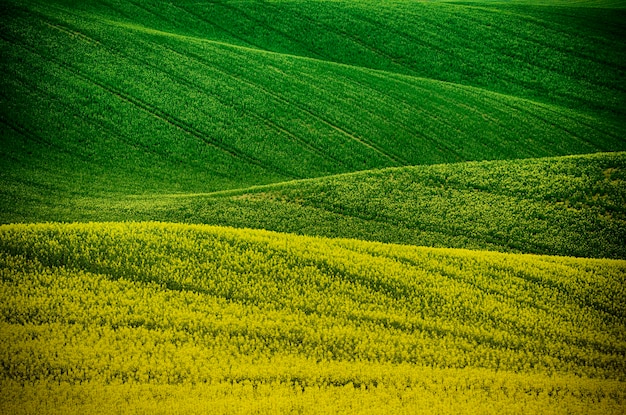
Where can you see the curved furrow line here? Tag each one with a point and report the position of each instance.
(255, 115)
(152, 110)
(398, 159)
(502, 74)
(438, 118)
(229, 32)
(454, 103)
(516, 59)
(545, 121)
(370, 71)
(26, 132)
(111, 132)
(541, 63)
(101, 125)
(580, 120)
(514, 80)
(472, 89)
(549, 26)
(411, 38)
(346, 35)
(553, 25)
(329, 120)
(196, 86)
(435, 116)
(496, 97)
(577, 136)
(284, 100)
(364, 218)
(241, 12)
(367, 143)
(360, 140)
(410, 129)
(457, 278)
(288, 55)
(181, 80)
(252, 46)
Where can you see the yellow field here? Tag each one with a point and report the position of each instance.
(168, 318)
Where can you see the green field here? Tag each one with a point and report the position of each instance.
(566, 206)
(312, 206)
(95, 101)
(572, 205)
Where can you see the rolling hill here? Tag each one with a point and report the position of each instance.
(171, 316)
(150, 97)
(385, 151)
(574, 205)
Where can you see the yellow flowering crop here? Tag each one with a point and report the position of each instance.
(172, 318)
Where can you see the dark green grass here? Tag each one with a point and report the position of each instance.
(572, 205)
(117, 97)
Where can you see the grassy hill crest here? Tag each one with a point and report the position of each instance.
(574, 205)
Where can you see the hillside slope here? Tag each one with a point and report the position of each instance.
(136, 97)
(562, 54)
(153, 312)
(419, 123)
(573, 205)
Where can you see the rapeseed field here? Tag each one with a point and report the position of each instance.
(166, 318)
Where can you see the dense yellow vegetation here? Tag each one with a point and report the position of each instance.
(183, 318)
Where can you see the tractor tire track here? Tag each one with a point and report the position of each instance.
(262, 119)
(143, 105)
(396, 158)
(110, 131)
(29, 134)
(260, 23)
(115, 51)
(346, 35)
(195, 86)
(305, 110)
(437, 144)
(543, 119)
(229, 32)
(154, 111)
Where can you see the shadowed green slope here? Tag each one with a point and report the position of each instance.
(151, 97)
(567, 206)
(106, 318)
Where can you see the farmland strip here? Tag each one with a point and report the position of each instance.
(361, 141)
(154, 111)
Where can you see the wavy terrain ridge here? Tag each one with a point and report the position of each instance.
(152, 97)
(573, 205)
(423, 127)
(143, 312)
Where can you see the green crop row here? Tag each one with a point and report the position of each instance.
(564, 54)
